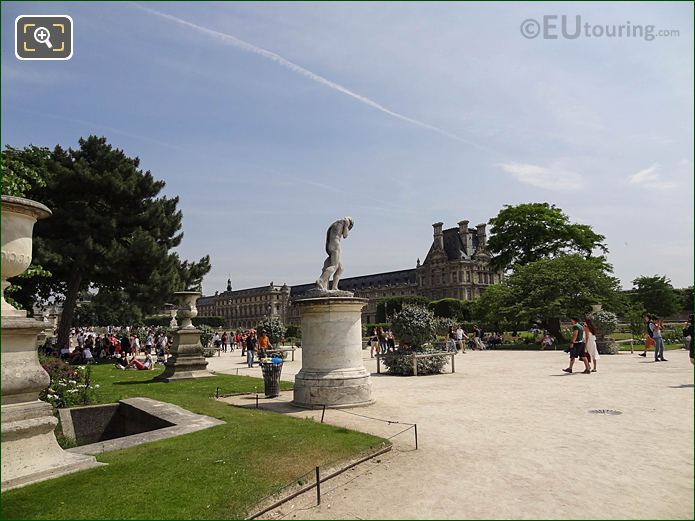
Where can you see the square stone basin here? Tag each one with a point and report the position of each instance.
(130, 422)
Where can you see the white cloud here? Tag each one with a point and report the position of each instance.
(554, 178)
(651, 178)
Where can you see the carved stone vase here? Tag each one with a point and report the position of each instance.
(30, 451)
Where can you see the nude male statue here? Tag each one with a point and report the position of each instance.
(332, 266)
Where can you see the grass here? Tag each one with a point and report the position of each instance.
(217, 473)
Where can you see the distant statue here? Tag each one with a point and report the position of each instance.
(332, 266)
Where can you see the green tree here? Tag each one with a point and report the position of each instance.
(487, 309)
(392, 305)
(634, 316)
(110, 231)
(22, 169)
(533, 231)
(549, 290)
(451, 308)
(656, 294)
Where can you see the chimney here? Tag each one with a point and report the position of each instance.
(466, 238)
(482, 238)
(438, 236)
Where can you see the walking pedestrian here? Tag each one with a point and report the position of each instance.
(577, 347)
(251, 343)
(689, 336)
(648, 336)
(591, 347)
(460, 336)
(656, 325)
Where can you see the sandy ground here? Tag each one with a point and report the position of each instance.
(511, 436)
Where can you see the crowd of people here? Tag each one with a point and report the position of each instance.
(126, 346)
(85, 345)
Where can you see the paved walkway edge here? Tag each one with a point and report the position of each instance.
(307, 488)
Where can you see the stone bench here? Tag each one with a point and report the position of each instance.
(417, 357)
(284, 350)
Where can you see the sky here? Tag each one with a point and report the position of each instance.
(272, 120)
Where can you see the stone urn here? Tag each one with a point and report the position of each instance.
(187, 360)
(187, 310)
(18, 218)
(30, 451)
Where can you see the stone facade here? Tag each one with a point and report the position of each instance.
(457, 265)
(245, 308)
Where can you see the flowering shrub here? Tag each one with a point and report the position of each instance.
(606, 322)
(442, 325)
(401, 361)
(273, 327)
(206, 335)
(414, 326)
(70, 385)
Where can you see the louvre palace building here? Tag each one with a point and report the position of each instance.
(457, 265)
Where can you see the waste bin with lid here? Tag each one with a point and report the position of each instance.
(271, 377)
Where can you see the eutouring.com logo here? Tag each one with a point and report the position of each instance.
(553, 27)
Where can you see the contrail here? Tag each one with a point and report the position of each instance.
(284, 62)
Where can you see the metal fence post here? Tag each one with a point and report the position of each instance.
(415, 436)
(318, 487)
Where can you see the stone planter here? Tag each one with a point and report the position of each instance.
(607, 346)
(187, 309)
(18, 218)
(187, 360)
(30, 451)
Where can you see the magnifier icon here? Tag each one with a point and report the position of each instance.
(43, 35)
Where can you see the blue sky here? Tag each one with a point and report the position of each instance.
(270, 121)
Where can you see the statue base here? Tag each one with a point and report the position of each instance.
(30, 452)
(333, 373)
(187, 361)
(318, 293)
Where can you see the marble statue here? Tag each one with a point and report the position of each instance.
(332, 266)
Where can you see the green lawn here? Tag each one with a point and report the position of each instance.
(217, 473)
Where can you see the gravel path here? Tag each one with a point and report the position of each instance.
(511, 436)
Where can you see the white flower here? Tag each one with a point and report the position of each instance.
(73, 382)
(96, 386)
(71, 391)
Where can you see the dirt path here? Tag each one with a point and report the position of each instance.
(510, 436)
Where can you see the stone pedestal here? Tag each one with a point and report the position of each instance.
(332, 373)
(187, 360)
(30, 451)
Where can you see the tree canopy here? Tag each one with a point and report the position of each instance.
(549, 290)
(529, 232)
(111, 231)
(656, 295)
(451, 308)
(388, 307)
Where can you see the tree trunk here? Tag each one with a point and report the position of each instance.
(553, 327)
(68, 313)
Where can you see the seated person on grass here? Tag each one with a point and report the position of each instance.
(122, 362)
(140, 366)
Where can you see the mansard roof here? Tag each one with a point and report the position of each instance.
(453, 245)
(392, 278)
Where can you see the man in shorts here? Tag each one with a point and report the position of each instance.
(577, 347)
(649, 336)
